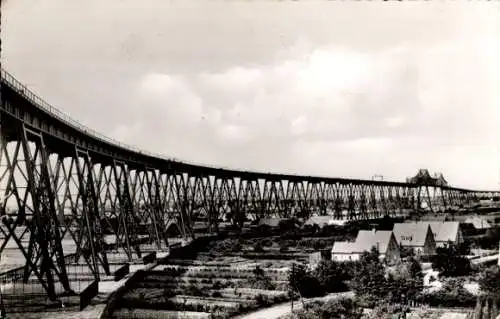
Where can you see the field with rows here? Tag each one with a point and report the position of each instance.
(205, 288)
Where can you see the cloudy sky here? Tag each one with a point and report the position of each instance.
(334, 88)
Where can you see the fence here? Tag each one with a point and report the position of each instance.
(19, 295)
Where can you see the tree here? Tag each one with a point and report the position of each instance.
(331, 276)
(370, 275)
(449, 262)
(416, 277)
(302, 281)
(489, 281)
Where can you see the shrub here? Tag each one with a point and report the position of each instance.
(302, 281)
(489, 281)
(452, 294)
(340, 308)
(331, 276)
(262, 300)
(258, 248)
(449, 262)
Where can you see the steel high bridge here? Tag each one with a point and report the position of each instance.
(61, 181)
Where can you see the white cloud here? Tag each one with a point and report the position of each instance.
(326, 104)
(353, 96)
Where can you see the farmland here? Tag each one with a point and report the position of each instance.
(204, 287)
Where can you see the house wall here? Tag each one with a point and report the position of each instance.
(460, 236)
(345, 257)
(393, 253)
(314, 259)
(429, 245)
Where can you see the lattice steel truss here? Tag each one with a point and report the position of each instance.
(62, 187)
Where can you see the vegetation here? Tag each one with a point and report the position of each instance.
(450, 263)
(303, 281)
(489, 281)
(216, 286)
(341, 308)
(372, 285)
(259, 280)
(332, 276)
(387, 311)
(452, 294)
(370, 276)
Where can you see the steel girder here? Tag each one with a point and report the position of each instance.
(58, 185)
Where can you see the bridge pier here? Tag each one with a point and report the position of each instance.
(65, 189)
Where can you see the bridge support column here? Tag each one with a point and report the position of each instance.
(45, 256)
(90, 238)
(127, 224)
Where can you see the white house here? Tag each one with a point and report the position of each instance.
(416, 236)
(324, 220)
(479, 223)
(384, 241)
(445, 232)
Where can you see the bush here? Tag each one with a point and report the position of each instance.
(451, 295)
(340, 308)
(261, 300)
(258, 248)
(303, 281)
(260, 280)
(449, 263)
(489, 281)
(331, 276)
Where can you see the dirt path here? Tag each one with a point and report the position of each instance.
(277, 311)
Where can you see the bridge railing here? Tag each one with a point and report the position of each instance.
(39, 102)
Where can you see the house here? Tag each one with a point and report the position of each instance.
(416, 236)
(445, 232)
(384, 241)
(324, 220)
(271, 222)
(479, 223)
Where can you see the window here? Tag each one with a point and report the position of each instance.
(409, 238)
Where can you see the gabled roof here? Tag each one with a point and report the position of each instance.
(365, 241)
(345, 247)
(478, 222)
(319, 220)
(370, 238)
(411, 234)
(443, 230)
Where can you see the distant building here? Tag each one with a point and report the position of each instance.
(271, 222)
(416, 236)
(384, 241)
(479, 223)
(324, 220)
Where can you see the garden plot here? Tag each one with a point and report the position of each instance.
(221, 287)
